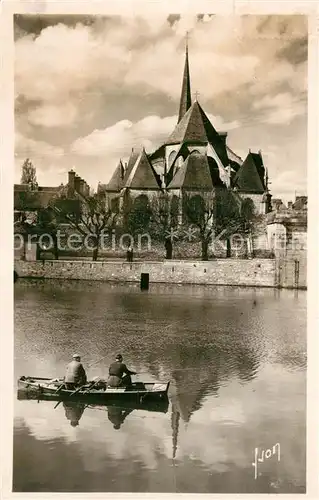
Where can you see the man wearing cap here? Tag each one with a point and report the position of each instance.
(75, 374)
(120, 375)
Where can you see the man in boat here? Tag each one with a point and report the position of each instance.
(75, 374)
(119, 374)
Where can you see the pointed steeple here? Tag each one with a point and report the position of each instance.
(175, 417)
(186, 100)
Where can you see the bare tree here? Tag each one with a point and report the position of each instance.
(137, 215)
(216, 214)
(91, 220)
(199, 212)
(163, 224)
(250, 223)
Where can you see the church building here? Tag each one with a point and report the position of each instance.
(194, 160)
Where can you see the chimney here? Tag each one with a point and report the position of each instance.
(77, 183)
(82, 186)
(289, 205)
(71, 182)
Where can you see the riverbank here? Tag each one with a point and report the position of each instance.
(276, 273)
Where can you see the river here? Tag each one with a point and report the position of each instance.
(236, 358)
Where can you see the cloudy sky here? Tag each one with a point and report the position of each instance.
(88, 89)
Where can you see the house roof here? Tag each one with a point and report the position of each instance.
(116, 181)
(250, 176)
(33, 200)
(300, 203)
(22, 187)
(195, 127)
(193, 174)
(142, 175)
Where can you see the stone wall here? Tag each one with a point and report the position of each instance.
(255, 272)
(291, 272)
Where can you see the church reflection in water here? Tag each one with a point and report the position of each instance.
(199, 378)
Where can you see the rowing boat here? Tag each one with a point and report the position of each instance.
(95, 392)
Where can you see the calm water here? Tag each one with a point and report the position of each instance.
(236, 359)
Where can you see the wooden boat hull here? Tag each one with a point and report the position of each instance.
(139, 394)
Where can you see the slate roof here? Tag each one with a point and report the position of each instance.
(250, 176)
(193, 174)
(116, 181)
(130, 164)
(142, 175)
(186, 99)
(196, 128)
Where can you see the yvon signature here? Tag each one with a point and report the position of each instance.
(265, 455)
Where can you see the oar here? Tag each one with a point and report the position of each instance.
(59, 388)
(90, 388)
(72, 393)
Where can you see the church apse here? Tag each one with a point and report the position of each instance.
(194, 159)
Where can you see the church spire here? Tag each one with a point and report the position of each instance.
(186, 100)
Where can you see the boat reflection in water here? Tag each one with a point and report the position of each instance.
(116, 415)
(117, 412)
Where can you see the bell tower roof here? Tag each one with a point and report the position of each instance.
(186, 99)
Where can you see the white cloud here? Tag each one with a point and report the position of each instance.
(53, 116)
(220, 125)
(27, 147)
(63, 59)
(120, 138)
(280, 109)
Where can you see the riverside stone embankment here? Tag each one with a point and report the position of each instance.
(235, 272)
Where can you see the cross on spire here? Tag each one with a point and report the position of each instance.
(197, 94)
(187, 38)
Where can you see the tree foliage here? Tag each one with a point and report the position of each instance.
(28, 174)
